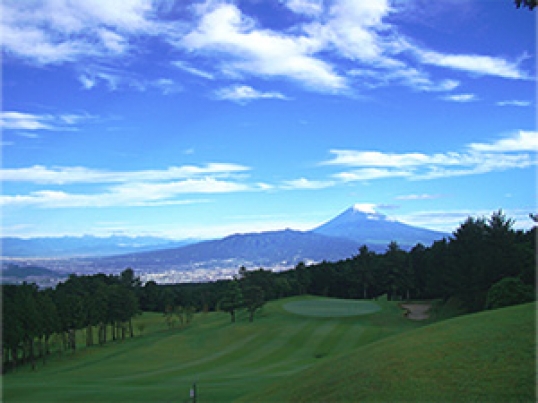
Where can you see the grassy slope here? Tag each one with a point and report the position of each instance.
(227, 360)
(486, 357)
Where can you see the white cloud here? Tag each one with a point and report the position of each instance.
(12, 120)
(166, 86)
(307, 7)
(303, 183)
(423, 196)
(244, 93)
(192, 70)
(223, 30)
(480, 158)
(129, 194)
(514, 102)
(354, 29)
(117, 79)
(68, 175)
(461, 98)
(366, 174)
(408, 76)
(50, 32)
(520, 141)
(394, 160)
(358, 33)
(475, 64)
(24, 121)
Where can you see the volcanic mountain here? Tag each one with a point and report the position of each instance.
(364, 225)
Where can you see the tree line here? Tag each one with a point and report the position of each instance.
(485, 263)
(33, 318)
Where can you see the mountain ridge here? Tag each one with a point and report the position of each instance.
(337, 239)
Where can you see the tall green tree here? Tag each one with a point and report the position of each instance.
(254, 299)
(396, 271)
(364, 263)
(233, 299)
(251, 288)
(50, 320)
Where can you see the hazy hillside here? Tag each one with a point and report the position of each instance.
(285, 248)
(70, 246)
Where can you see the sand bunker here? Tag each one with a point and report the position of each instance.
(417, 311)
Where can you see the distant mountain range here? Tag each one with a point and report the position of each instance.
(339, 238)
(265, 249)
(87, 245)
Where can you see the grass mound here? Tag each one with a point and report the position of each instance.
(331, 308)
(485, 357)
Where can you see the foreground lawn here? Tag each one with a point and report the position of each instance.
(485, 357)
(227, 361)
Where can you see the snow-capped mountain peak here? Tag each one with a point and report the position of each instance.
(362, 223)
(367, 208)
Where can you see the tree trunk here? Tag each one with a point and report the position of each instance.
(89, 336)
(40, 349)
(31, 352)
(14, 356)
(72, 339)
(47, 345)
(232, 313)
(131, 327)
(102, 333)
(64, 341)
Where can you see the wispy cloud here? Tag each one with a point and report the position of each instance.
(513, 152)
(367, 174)
(125, 188)
(243, 94)
(306, 7)
(514, 102)
(139, 194)
(408, 76)
(423, 196)
(193, 70)
(303, 184)
(68, 175)
(118, 79)
(13, 120)
(463, 98)
(52, 32)
(474, 64)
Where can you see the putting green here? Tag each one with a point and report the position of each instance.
(331, 308)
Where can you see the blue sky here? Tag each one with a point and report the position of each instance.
(202, 119)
